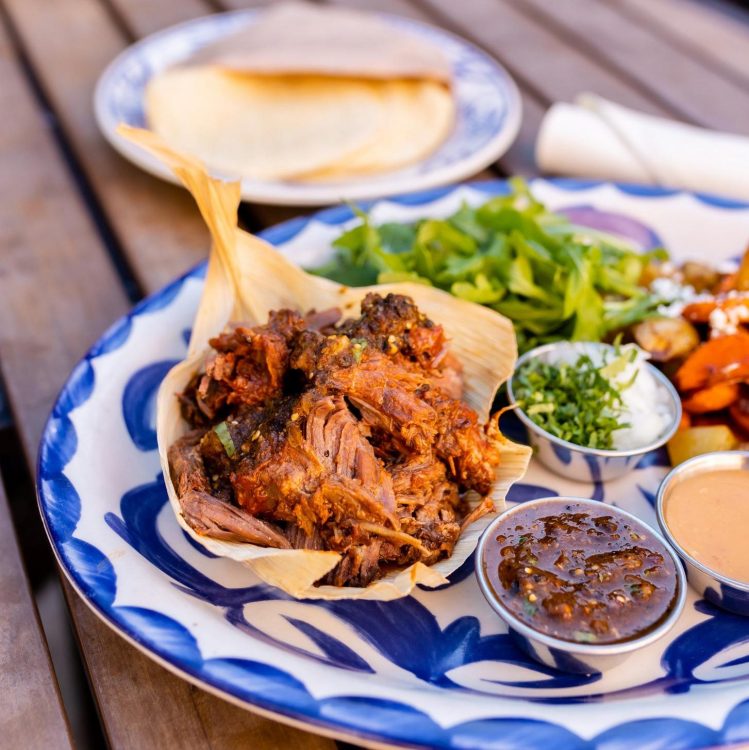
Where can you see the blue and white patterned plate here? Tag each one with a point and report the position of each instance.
(436, 669)
(487, 117)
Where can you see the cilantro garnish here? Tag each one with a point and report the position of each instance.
(575, 402)
(553, 279)
(223, 434)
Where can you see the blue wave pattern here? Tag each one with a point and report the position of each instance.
(424, 648)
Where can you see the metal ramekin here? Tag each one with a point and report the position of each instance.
(725, 592)
(576, 461)
(580, 658)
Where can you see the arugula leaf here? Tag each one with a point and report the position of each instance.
(553, 279)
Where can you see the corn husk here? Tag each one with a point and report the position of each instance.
(246, 279)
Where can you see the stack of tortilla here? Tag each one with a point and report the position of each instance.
(307, 93)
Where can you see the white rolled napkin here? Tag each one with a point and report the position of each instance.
(600, 139)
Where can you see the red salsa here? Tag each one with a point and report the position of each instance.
(589, 577)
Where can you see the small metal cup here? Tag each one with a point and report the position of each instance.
(576, 461)
(568, 656)
(718, 589)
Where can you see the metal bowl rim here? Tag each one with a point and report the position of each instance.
(703, 458)
(573, 647)
(662, 380)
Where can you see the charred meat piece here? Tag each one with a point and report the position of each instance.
(394, 324)
(316, 466)
(404, 403)
(220, 520)
(210, 515)
(246, 368)
(349, 437)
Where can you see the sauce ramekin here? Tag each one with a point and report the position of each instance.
(570, 656)
(725, 592)
(577, 462)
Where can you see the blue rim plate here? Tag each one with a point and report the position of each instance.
(436, 669)
(488, 111)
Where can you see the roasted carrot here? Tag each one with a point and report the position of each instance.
(726, 284)
(685, 422)
(700, 311)
(715, 398)
(721, 360)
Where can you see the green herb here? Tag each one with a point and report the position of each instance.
(579, 403)
(583, 636)
(522, 539)
(358, 345)
(223, 434)
(551, 278)
(635, 589)
(529, 609)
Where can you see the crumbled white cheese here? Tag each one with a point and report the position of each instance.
(674, 295)
(726, 321)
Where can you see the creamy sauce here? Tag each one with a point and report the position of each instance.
(708, 515)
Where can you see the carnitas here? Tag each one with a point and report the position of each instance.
(349, 436)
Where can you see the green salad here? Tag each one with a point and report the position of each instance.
(553, 279)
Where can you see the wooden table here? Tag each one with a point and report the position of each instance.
(83, 235)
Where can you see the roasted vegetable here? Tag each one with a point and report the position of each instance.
(703, 278)
(715, 398)
(666, 338)
(700, 311)
(741, 281)
(721, 360)
(739, 410)
(694, 441)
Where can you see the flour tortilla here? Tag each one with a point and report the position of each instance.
(307, 92)
(263, 128)
(297, 127)
(303, 39)
(418, 116)
(247, 278)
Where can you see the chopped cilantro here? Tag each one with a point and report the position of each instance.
(223, 434)
(579, 402)
(358, 345)
(583, 636)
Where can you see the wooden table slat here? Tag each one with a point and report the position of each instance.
(143, 17)
(31, 711)
(113, 665)
(57, 286)
(700, 29)
(542, 63)
(683, 84)
(156, 224)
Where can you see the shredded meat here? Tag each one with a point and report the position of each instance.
(351, 436)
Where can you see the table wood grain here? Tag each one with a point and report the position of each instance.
(92, 233)
(31, 711)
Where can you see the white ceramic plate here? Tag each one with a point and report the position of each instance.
(488, 112)
(436, 669)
